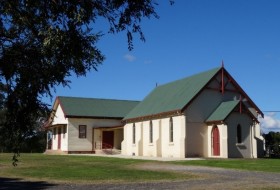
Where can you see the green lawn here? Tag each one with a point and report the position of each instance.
(80, 169)
(92, 169)
(265, 165)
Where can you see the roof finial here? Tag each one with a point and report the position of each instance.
(222, 63)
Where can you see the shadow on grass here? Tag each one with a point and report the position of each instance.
(18, 184)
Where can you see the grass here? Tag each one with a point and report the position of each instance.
(264, 165)
(81, 169)
(92, 169)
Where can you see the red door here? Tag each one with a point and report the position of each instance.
(108, 139)
(59, 138)
(216, 141)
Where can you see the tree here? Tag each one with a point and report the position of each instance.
(272, 141)
(43, 42)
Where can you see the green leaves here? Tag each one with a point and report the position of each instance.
(43, 42)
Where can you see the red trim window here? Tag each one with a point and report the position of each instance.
(82, 131)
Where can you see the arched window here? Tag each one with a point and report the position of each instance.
(151, 132)
(133, 133)
(239, 134)
(170, 129)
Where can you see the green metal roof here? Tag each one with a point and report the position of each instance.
(172, 96)
(92, 107)
(222, 111)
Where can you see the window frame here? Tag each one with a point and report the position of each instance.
(171, 130)
(133, 134)
(82, 131)
(239, 134)
(151, 132)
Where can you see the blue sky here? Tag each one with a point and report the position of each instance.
(190, 37)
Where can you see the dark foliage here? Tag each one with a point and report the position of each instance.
(272, 142)
(43, 42)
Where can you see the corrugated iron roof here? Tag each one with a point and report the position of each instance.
(222, 111)
(172, 96)
(93, 107)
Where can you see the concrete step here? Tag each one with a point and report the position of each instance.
(55, 152)
(108, 151)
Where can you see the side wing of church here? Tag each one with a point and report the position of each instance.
(205, 115)
(86, 125)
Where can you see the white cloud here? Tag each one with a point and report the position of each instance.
(129, 57)
(270, 122)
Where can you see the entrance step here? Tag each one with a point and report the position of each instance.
(55, 152)
(108, 151)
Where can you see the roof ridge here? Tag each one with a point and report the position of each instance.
(89, 98)
(190, 76)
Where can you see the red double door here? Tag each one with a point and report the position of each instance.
(107, 139)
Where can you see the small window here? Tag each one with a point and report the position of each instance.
(171, 130)
(133, 133)
(239, 134)
(151, 131)
(82, 131)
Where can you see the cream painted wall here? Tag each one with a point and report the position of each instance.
(196, 114)
(160, 147)
(118, 137)
(177, 147)
(64, 138)
(77, 144)
(54, 139)
(59, 117)
(223, 132)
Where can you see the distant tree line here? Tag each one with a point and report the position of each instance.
(272, 144)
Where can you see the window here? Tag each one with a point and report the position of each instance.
(82, 131)
(239, 134)
(133, 133)
(151, 131)
(171, 130)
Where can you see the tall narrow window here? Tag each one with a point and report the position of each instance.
(151, 131)
(82, 131)
(170, 129)
(239, 134)
(133, 133)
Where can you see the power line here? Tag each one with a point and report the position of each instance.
(270, 111)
